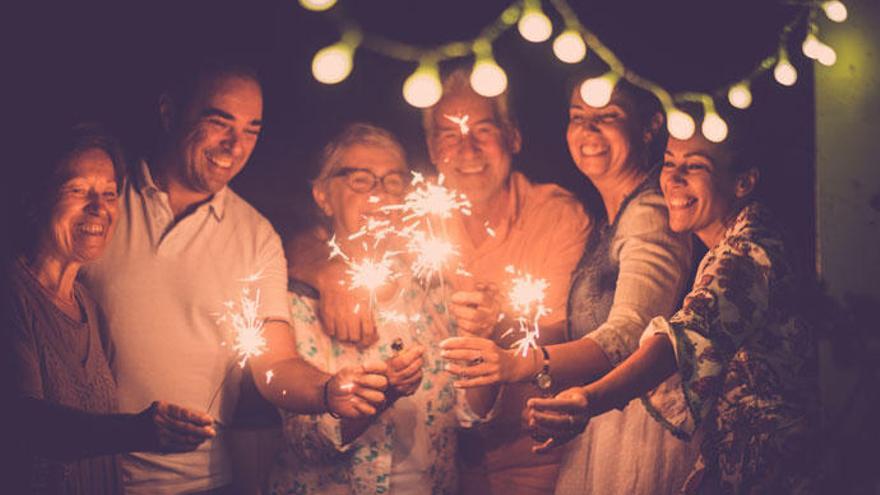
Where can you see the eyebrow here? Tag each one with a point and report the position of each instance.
(216, 112)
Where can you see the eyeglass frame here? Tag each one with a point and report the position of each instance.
(347, 171)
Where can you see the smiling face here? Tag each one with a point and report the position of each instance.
(700, 187)
(83, 216)
(348, 208)
(471, 146)
(215, 133)
(605, 143)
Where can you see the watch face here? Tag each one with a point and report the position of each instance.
(544, 381)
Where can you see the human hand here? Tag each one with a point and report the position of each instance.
(176, 428)
(356, 391)
(476, 312)
(345, 314)
(405, 371)
(477, 361)
(557, 420)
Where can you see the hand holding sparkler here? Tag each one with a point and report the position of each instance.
(478, 361)
(356, 391)
(405, 371)
(476, 312)
(173, 428)
(554, 421)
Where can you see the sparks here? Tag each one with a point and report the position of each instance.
(248, 340)
(269, 375)
(527, 301)
(461, 122)
(431, 255)
(430, 198)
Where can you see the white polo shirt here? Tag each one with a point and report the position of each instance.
(162, 287)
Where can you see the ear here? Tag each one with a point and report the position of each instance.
(514, 139)
(653, 128)
(167, 112)
(320, 197)
(746, 182)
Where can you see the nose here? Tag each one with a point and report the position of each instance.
(232, 142)
(96, 203)
(676, 174)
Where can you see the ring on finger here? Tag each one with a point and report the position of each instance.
(477, 360)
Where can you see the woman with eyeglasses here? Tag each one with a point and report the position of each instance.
(408, 445)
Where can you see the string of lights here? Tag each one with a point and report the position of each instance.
(422, 89)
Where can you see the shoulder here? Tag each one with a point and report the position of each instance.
(753, 235)
(242, 214)
(647, 210)
(548, 203)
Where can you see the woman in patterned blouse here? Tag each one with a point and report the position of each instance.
(746, 361)
(408, 446)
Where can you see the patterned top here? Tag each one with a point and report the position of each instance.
(748, 367)
(410, 448)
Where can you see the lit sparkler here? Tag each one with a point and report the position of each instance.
(527, 301)
(367, 273)
(461, 122)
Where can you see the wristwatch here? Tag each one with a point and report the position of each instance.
(543, 380)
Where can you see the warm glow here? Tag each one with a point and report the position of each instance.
(812, 46)
(597, 91)
(422, 89)
(681, 125)
(785, 73)
(317, 5)
(332, 64)
(827, 56)
(835, 10)
(570, 47)
(488, 78)
(740, 96)
(714, 128)
(535, 26)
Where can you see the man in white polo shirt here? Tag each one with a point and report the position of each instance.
(188, 251)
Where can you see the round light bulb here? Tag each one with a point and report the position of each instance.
(488, 78)
(785, 73)
(714, 128)
(740, 96)
(422, 88)
(835, 10)
(597, 91)
(570, 47)
(317, 5)
(535, 26)
(827, 56)
(332, 64)
(812, 46)
(681, 125)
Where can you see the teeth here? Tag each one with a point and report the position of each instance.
(220, 162)
(593, 149)
(681, 202)
(472, 169)
(92, 229)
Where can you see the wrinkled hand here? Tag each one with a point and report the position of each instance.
(338, 305)
(476, 312)
(557, 420)
(405, 371)
(357, 391)
(177, 429)
(477, 361)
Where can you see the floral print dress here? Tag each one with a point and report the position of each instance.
(418, 431)
(748, 367)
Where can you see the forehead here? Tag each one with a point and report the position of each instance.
(371, 157)
(238, 95)
(698, 145)
(462, 103)
(89, 162)
(619, 98)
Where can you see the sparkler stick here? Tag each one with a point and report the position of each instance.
(527, 301)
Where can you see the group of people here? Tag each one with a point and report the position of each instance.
(116, 344)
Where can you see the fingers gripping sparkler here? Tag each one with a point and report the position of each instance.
(527, 301)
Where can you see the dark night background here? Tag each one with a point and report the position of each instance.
(107, 61)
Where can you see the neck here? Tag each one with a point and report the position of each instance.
(180, 198)
(55, 275)
(488, 211)
(712, 234)
(614, 191)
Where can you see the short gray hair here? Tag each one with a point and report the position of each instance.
(353, 134)
(458, 79)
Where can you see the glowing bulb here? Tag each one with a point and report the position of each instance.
(422, 89)
(740, 96)
(835, 10)
(827, 56)
(714, 128)
(785, 73)
(569, 47)
(597, 91)
(535, 26)
(812, 46)
(681, 125)
(488, 78)
(332, 64)
(317, 5)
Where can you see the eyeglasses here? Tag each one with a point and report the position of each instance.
(363, 181)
